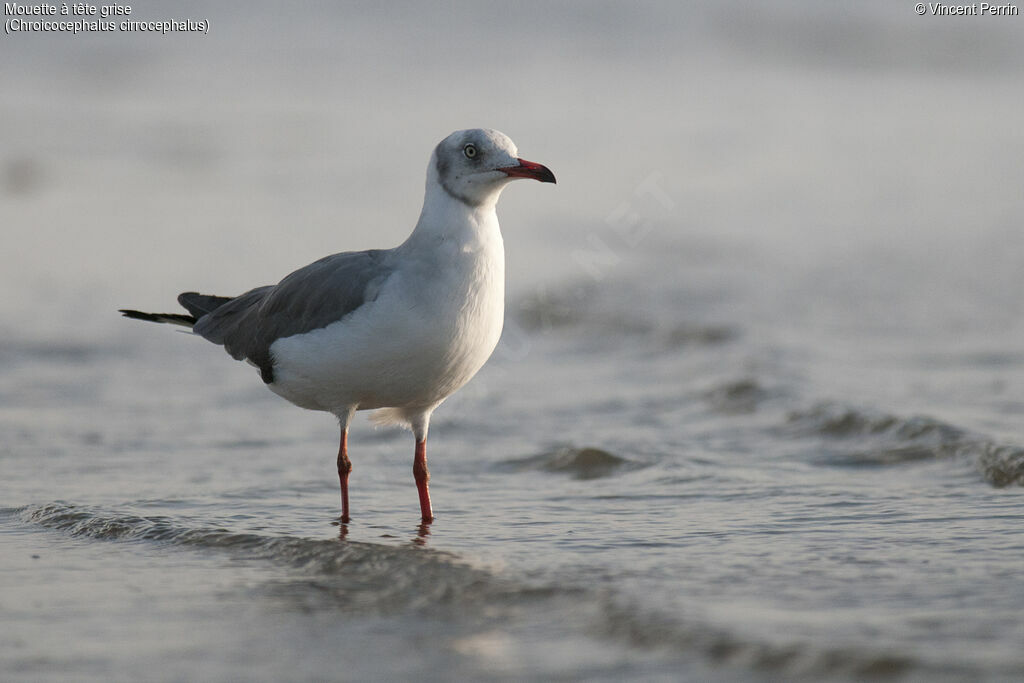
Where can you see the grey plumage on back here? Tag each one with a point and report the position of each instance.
(312, 297)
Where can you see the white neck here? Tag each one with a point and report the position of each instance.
(451, 221)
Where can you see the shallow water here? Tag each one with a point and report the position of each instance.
(755, 414)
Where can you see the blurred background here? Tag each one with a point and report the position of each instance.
(755, 413)
(136, 164)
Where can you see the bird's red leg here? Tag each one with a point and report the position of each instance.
(422, 474)
(344, 468)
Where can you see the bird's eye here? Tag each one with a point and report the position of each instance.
(469, 150)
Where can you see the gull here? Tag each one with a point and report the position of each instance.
(396, 330)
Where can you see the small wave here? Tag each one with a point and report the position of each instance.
(355, 576)
(1001, 466)
(799, 660)
(85, 522)
(899, 455)
(358, 577)
(741, 396)
(324, 556)
(876, 440)
(372, 579)
(580, 463)
(833, 420)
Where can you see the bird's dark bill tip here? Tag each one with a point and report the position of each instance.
(530, 169)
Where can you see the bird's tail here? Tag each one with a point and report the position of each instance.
(196, 304)
(173, 318)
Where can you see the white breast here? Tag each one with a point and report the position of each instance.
(432, 326)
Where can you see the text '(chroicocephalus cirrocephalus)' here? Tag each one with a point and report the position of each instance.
(392, 330)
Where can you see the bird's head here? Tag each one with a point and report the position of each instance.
(474, 165)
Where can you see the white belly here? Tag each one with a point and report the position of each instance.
(424, 336)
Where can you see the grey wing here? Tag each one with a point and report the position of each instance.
(312, 297)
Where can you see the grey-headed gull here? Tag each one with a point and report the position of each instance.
(392, 330)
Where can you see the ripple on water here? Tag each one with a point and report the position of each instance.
(356, 578)
(737, 397)
(856, 438)
(579, 463)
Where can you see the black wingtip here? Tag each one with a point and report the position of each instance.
(138, 315)
(173, 318)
